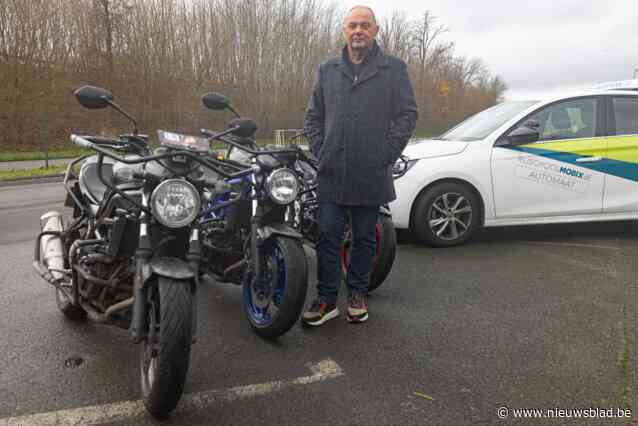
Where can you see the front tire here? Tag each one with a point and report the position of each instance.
(273, 306)
(165, 355)
(446, 215)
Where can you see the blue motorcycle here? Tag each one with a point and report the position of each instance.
(244, 236)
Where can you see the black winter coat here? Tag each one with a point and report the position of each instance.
(359, 127)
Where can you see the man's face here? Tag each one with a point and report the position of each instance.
(359, 29)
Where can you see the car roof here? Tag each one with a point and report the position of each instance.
(620, 87)
(580, 93)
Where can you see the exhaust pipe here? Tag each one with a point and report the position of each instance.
(51, 247)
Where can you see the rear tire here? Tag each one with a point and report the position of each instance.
(272, 311)
(446, 215)
(386, 253)
(164, 364)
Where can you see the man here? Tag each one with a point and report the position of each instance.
(359, 118)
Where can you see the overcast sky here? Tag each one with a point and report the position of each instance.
(538, 47)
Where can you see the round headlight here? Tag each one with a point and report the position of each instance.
(175, 203)
(282, 186)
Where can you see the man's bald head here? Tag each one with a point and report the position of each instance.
(359, 7)
(360, 28)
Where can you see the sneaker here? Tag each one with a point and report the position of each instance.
(357, 308)
(319, 312)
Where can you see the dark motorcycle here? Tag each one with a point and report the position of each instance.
(244, 235)
(303, 216)
(131, 255)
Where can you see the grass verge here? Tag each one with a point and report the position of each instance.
(74, 153)
(39, 172)
(37, 155)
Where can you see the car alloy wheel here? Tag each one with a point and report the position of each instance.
(449, 216)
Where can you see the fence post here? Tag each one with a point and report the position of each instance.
(281, 135)
(44, 137)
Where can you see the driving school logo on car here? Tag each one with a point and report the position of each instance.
(552, 173)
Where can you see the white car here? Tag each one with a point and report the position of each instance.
(567, 159)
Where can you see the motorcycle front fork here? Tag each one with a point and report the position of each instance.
(255, 222)
(139, 318)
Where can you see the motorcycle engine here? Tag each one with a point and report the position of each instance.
(103, 280)
(225, 247)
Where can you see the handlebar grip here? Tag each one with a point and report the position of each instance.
(80, 141)
(102, 140)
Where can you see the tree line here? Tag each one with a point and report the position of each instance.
(159, 56)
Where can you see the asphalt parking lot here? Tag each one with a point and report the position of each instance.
(538, 318)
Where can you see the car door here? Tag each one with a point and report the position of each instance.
(621, 190)
(555, 174)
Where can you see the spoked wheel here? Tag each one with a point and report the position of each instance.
(165, 354)
(386, 244)
(273, 302)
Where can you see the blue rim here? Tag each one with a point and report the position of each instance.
(260, 316)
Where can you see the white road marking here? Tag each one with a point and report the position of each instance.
(126, 410)
(547, 243)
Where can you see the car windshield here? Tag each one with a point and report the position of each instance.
(480, 125)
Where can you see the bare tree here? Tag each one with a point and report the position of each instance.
(159, 56)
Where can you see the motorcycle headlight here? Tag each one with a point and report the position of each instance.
(175, 203)
(282, 186)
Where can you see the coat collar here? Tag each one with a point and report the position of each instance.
(370, 68)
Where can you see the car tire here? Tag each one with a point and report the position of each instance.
(446, 215)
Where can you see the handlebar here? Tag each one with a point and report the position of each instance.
(214, 164)
(100, 140)
(82, 142)
(220, 136)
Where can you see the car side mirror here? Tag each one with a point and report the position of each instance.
(520, 136)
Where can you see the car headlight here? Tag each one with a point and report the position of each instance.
(402, 165)
(175, 203)
(282, 186)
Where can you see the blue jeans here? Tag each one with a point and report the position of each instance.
(332, 220)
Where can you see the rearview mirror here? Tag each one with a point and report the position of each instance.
(247, 127)
(520, 136)
(92, 97)
(216, 101)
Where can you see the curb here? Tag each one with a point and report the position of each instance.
(32, 180)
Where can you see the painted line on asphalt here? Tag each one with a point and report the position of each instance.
(547, 243)
(126, 410)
